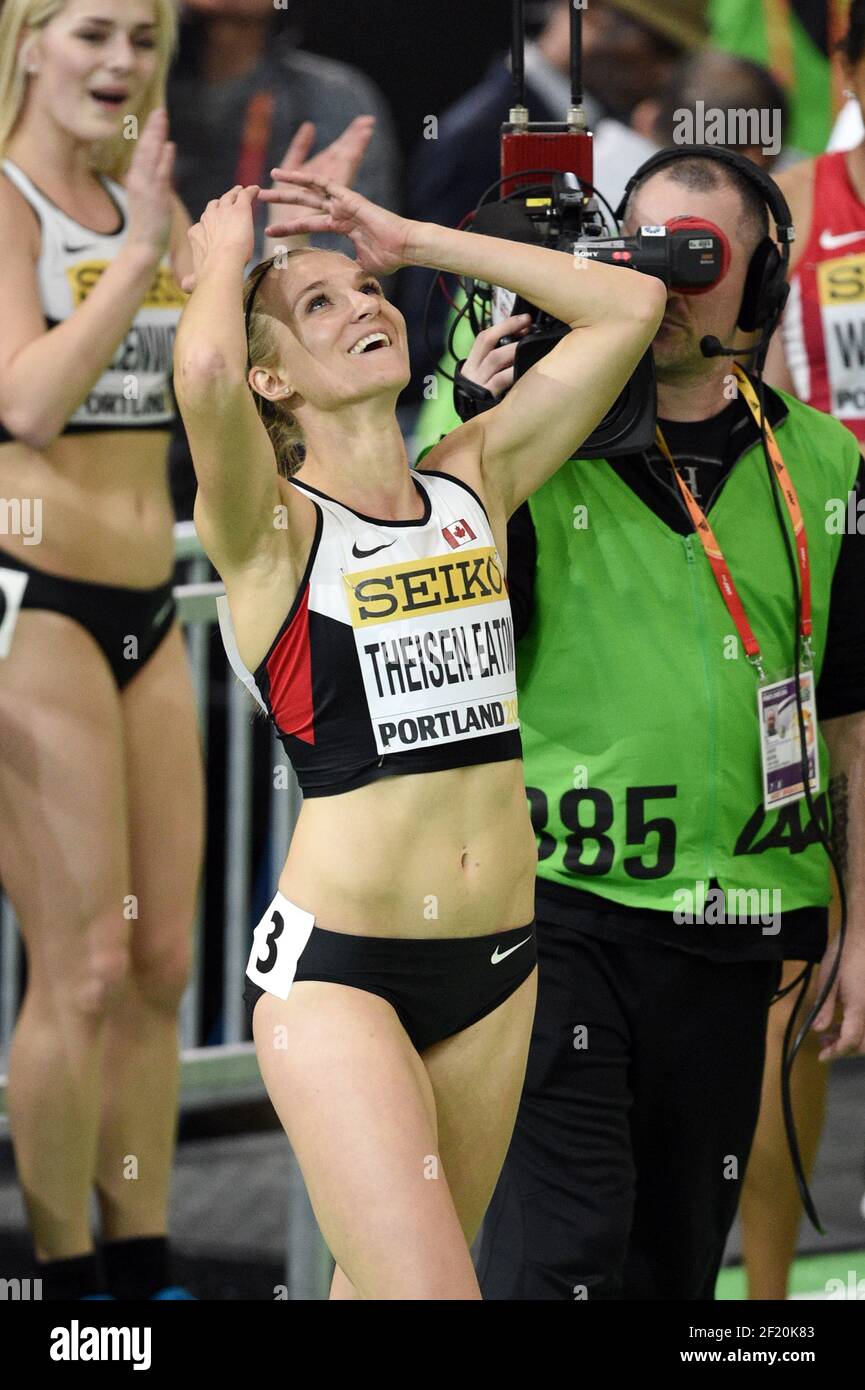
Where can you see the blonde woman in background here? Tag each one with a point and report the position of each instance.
(101, 802)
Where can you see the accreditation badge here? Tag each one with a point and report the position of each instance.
(780, 740)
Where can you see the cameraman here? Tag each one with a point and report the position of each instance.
(643, 767)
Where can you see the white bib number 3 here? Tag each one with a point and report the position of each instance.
(277, 943)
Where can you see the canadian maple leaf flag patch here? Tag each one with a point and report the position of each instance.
(458, 533)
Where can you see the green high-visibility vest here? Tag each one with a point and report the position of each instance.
(638, 707)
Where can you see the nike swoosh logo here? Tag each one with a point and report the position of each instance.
(362, 554)
(73, 250)
(829, 242)
(496, 957)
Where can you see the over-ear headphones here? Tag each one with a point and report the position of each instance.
(765, 291)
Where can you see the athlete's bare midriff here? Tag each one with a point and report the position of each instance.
(106, 510)
(432, 854)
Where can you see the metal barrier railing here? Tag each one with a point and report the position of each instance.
(231, 1064)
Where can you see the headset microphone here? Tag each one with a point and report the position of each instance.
(710, 346)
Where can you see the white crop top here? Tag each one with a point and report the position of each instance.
(135, 390)
(396, 655)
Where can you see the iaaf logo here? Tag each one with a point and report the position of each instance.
(458, 533)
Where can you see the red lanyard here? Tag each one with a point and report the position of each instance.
(252, 165)
(255, 138)
(714, 553)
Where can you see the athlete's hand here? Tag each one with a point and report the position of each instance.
(841, 1021)
(380, 237)
(339, 162)
(492, 366)
(226, 229)
(148, 185)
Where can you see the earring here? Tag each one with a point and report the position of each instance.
(847, 93)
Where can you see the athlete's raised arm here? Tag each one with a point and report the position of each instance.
(614, 314)
(238, 482)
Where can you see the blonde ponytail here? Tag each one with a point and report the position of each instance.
(283, 429)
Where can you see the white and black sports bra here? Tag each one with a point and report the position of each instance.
(135, 390)
(397, 654)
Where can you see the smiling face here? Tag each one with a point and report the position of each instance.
(339, 341)
(688, 317)
(95, 60)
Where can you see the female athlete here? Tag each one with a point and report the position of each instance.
(393, 975)
(101, 803)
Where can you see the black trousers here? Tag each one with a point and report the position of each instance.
(641, 1098)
